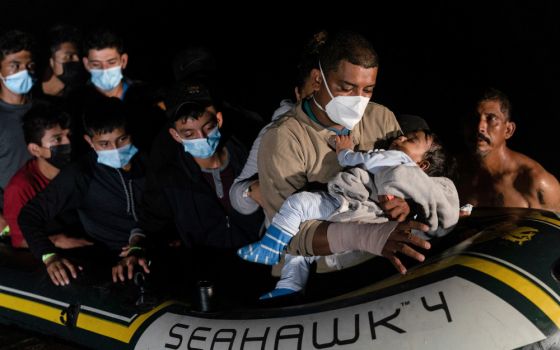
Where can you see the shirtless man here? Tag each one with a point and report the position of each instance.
(502, 177)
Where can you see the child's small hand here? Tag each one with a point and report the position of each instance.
(344, 142)
(385, 198)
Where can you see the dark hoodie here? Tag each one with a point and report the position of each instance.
(106, 199)
(178, 194)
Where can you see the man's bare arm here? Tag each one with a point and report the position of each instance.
(545, 190)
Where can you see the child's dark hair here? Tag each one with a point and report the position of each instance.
(441, 162)
(41, 117)
(102, 115)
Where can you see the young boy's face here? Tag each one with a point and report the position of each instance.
(17, 62)
(201, 127)
(54, 136)
(112, 140)
(66, 52)
(415, 144)
(105, 58)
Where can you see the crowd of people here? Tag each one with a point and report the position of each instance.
(99, 169)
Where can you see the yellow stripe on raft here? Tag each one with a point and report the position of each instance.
(115, 330)
(85, 321)
(25, 306)
(524, 286)
(521, 284)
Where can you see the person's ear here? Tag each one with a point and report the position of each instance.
(298, 95)
(219, 119)
(424, 165)
(316, 78)
(510, 129)
(124, 60)
(34, 149)
(175, 135)
(89, 141)
(85, 61)
(51, 63)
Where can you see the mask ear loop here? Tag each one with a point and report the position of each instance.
(328, 90)
(325, 80)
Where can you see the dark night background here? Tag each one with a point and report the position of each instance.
(433, 55)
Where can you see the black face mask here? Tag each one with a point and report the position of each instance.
(73, 75)
(60, 156)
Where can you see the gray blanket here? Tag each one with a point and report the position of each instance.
(357, 192)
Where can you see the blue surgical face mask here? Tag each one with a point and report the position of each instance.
(106, 79)
(117, 158)
(19, 83)
(204, 147)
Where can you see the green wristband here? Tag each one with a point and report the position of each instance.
(133, 248)
(5, 231)
(46, 257)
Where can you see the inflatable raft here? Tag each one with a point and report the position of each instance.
(492, 283)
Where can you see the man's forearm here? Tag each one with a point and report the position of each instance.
(354, 236)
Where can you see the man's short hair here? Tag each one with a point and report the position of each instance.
(15, 41)
(348, 46)
(41, 117)
(103, 114)
(103, 38)
(63, 33)
(493, 94)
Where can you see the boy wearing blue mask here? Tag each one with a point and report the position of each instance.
(192, 192)
(105, 59)
(16, 79)
(105, 188)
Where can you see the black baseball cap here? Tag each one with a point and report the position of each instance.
(411, 122)
(184, 93)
